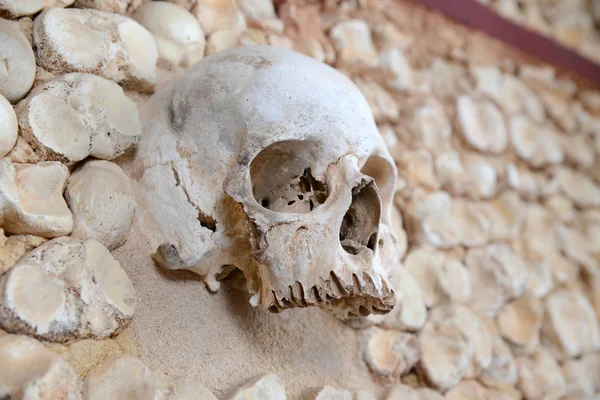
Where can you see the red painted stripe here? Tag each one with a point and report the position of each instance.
(480, 17)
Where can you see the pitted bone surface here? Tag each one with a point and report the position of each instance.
(89, 116)
(66, 289)
(115, 47)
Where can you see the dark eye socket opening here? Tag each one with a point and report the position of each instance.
(360, 225)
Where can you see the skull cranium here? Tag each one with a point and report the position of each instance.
(269, 161)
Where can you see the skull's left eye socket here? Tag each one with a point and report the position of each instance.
(282, 180)
(360, 226)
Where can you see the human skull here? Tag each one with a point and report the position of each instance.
(266, 160)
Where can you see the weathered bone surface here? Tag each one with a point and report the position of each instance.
(563, 269)
(353, 43)
(215, 15)
(178, 35)
(289, 182)
(115, 46)
(446, 354)
(514, 96)
(473, 390)
(540, 277)
(446, 79)
(107, 214)
(410, 311)
(578, 187)
(222, 39)
(123, 375)
(113, 6)
(18, 62)
(497, 275)
(468, 174)
(417, 167)
(66, 289)
(570, 326)
(529, 184)
(440, 279)
(28, 370)
(404, 392)
(14, 247)
(264, 387)
(9, 128)
(538, 144)
(94, 115)
(574, 244)
(31, 199)
(540, 376)
(482, 124)
(502, 370)
(455, 282)
(472, 326)
(505, 215)
(332, 393)
(382, 104)
(424, 264)
(394, 62)
(539, 229)
(261, 14)
(18, 8)
(520, 320)
(579, 150)
(581, 376)
(432, 126)
(390, 354)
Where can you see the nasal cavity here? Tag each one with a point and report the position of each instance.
(360, 225)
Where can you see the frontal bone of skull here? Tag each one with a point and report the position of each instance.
(318, 234)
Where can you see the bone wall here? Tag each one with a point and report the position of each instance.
(498, 162)
(573, 23)
(497, 212)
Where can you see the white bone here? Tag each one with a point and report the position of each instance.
(66, 289)
(290, 182)
(116, 47)
(18, 62)
(29, 370)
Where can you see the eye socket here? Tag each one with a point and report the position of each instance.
(383, 173)
(282, 180)
(360, 226)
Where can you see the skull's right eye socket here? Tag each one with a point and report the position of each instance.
(282, 180)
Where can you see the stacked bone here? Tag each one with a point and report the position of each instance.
(67, 115)
(498, 213)
(64, 204)
(499, 192)
(572, 23)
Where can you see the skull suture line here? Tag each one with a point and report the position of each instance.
(266, 160)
